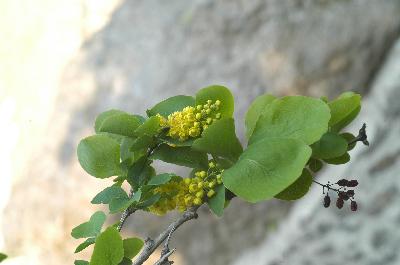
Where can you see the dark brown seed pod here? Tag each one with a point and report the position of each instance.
(353, 206)
(350, 193)
(342, 182)
(343, 195)
(327, 201)
(339, 203)
(352, 183)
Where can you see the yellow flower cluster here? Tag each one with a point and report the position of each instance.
(188, 192)
(191, 121)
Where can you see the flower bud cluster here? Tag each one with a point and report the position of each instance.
(188, 192)
(191, 121)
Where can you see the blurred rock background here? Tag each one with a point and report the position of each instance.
(63, 62)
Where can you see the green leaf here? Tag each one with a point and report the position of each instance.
(81, 262)
(91, 228)
(150, 127)
(119, 204)
(103, 116)
(329, 146)
(349, 137)
(344, 109)
(339, 160)
(122, 124)
(176, 142)
(295, 117)
(136, 171)
(132, 247)
(217, 202)
(125, 261)
(149, 201)
(255, 110)
(85, 244)
(297, 189)
(99, 156)
(315, 165)
(160, 179)
(2, 256)
(108, 249)
(106, 195)
(142, 142)
(220, 139)
(267, 168)
(170, 105)
(217, 93)
(182, 156)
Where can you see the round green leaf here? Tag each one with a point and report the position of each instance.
(349, 137)
(217, 202)
(182, 156)
(255, 110)
(217, 93)
(220, 139)
(108, 249)
(132, 247)
(91, 228)
(344, 109)
(343, 159)
(296, 117)
(106, 195)
(267, 168)
(160, 179)
(149, 128)
(99, 156)
(170, 105)
(103, 116)
(297, 189)
(121, 124)
(85, 244)
(329, 146)
(315, 165)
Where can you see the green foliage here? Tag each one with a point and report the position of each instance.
(217, 202)
(297, 189)
(330, 145)
(2, 256)
(267, 168)
(170, 105)
(295, 117)
(81, 262)
(344, 109)
(182, 156)
(88, 242)
(108, 249)
(220, 140)
(255, 110)
(288, 138)
(99, 156)
(217, 93)
(91, 228)
(132, 247)
(122, 124)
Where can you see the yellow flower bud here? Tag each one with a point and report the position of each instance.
(208, 111)
(218, 115)
(211, 164)
(198, 116)
(200, 184)
(212, 184)
(187, 181)
(209, 120)
(199, 107)
(217, 102)
(209, 102)
(210, 193)
(203, 174)
(197, 201)
(200, 194)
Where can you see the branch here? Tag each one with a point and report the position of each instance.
(151, 245)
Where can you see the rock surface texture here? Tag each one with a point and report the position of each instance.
(150, 50)
(312, 234)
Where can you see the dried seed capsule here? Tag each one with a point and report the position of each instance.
(339, 203)
(342, 182)
(352, 183)
(353, 206)
(350, 193)
(343, 195)
(327, 201)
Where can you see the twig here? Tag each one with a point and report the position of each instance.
(126, 213)
(130, 210)
(151, 245)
